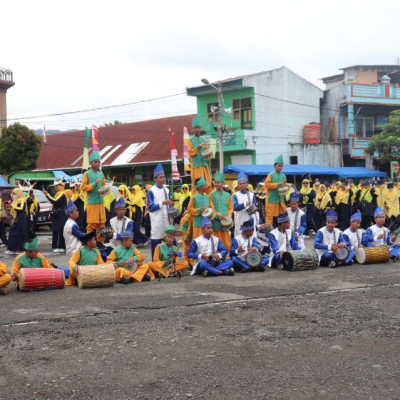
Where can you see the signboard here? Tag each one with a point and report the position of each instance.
(395, 169)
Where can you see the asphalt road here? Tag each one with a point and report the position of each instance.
(321, 334)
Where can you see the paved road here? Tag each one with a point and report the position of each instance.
(323, 334)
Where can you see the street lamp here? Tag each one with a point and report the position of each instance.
(220, 132)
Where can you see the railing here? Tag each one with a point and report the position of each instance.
(377, 90)
(6, 75)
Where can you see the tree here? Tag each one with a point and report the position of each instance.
(19, 149)
(387, 142)
(116, 122)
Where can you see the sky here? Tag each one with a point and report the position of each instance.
(78, 55)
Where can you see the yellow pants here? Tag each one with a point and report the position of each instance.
(273, 210)
(225, 238)
(199, 172)
(96, 227)
(72, 278)
(138, 275)
(5, 280)
(157, 266)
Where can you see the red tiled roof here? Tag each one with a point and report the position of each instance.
(124, 144)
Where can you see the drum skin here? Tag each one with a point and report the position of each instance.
(300, 260)
(342, 254)
(95, 275)
(373, 255)
(227, 222)
(253, 259)
(209, 213)
(40, 279)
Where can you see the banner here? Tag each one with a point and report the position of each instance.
(85, 162)
(174, 153)
(394, 169)
(95, 138)
(186, 157)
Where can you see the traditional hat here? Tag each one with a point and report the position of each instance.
(200, 182)
(71, 207)
(284, 217)
(219, 177)
(294, 197)
(94, 156)
(242, 177)
(196, 122)
(126, 235)
(88, 236)
(247, 225)
(32, 244)
(120, 203)
(356, 217)
(158, 171)
(379, 212)
(235, 184)
(331, 216)
(380, 182)
(205, 222)
(279, 159)
(169, 228)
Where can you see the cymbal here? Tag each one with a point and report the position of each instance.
(174, 232)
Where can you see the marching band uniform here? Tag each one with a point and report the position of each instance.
(366, 200)
(95, 210)
(72, 233)
(119, 225)
(391, 204)
(203, 245)
(308, 195)
(298, 221)
(79, 199)
(18, 234)
(282, 240)
(239, 204)
(353, 238)
(323, 202)
(5, 278)
(158, 212)
(122, 254)
(342, 201)
(137, 206)
(238, 258)
(223, 205)
(325, 239)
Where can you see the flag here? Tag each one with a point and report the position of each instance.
(95, 138)
(174, 153)
(44, 134)
(186, 157)
(85, 162)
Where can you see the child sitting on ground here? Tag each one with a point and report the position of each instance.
(353, 235)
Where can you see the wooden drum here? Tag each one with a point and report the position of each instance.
(299, 260)
(373, 255)
(95, 275)
(40, 279)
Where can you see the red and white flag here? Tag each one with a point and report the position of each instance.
(44, 134)
(174, 153)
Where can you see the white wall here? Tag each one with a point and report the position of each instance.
(328, 155)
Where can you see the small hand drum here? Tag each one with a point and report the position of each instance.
(173, 212)
(342, 254)
(105, 190)
(208, 154)
(267, 230)
(175, 232)
(253, 259)
(208, 213)
(251, 209)
(105, 230)
(131, 266)
(227, 222)
(283, 190)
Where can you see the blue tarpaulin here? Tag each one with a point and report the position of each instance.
(61, 175)
(312, 169)
(3, 182)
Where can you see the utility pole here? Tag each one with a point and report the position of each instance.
(220, 129)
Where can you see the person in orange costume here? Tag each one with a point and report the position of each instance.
(92, 181)
(5, 278)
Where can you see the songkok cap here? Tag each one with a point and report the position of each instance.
(32, 244)
(126, 235)
(331, 216)
(294, 197)
(242, 177)
(200, 182)
(247, 225)
(284, 217)
(219, 177)
(88, 236)
(379, 212)
(71, 207)
(279, 159)
(205, 222)
(120, 203)
(94, 156)
(158, 171)
(356, 217)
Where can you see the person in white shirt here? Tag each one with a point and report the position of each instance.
(298, 219)
(120, 223)
(353, 235)
(72, 234)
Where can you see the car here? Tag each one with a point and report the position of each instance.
(44, 216)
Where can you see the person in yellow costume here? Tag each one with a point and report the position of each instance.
(184, 198)
(323, 203)
(391, 209)
(199, 165)
(5, 278)
(342, 203)
(137, 204)
(125, 193)
(92, 181)
(124, 257)
(378, 191)
(275, 203)
(162, 256)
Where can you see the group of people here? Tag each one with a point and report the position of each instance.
(209, 216)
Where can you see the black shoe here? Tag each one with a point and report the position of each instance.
(127, 279)
(146, 277)
(3, 292)
(243, 269)
(101, 246)
(178, 274)
(260, 268)
(204, 273)
(230, 272)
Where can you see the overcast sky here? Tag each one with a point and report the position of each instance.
(77, 55)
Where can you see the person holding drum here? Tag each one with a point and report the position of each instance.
(158, 203)
(329, 244)
(162, 263)
(298, 220)
(353, 235)
(5, 278)
(199, 165)
(120, 223)
(127, 260)
(87, 254)
(223, 206)
(92, 181)
(209, 253)
(72, 233)
(282, 240)
(274, 200)
(245, 252)
(244, 203)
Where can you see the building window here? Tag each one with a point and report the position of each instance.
(212, 112)
(242, 111)
(293, 160)
(365, 126)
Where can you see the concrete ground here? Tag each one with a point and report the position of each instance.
(320, 334)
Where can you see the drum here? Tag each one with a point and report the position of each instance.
(299, 260)
(173, 212)
(253, 259)
(40, 279)
(105, 230)
(267, 230)
(251, 209)
(208, 154)
(342, 254)
(372, 255)
(227, 222)
(208, 213)
(105, 190)
(283, 191)
(96, 275)
(174, 232)
(131, 266)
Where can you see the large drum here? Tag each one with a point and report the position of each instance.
(372, 255)
(40, 279)
(299, 260)
(253, 259)
(96, 275)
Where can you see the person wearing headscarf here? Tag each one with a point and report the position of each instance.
(366, 201)
(199, 166)
(323, 202)
(78, 197)
(59, 202)
(308, 196)
(138, 204)
(342, 203)
(378, 192)
(391, 206)
(184, 199)
(18, 234)
(125, 193)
